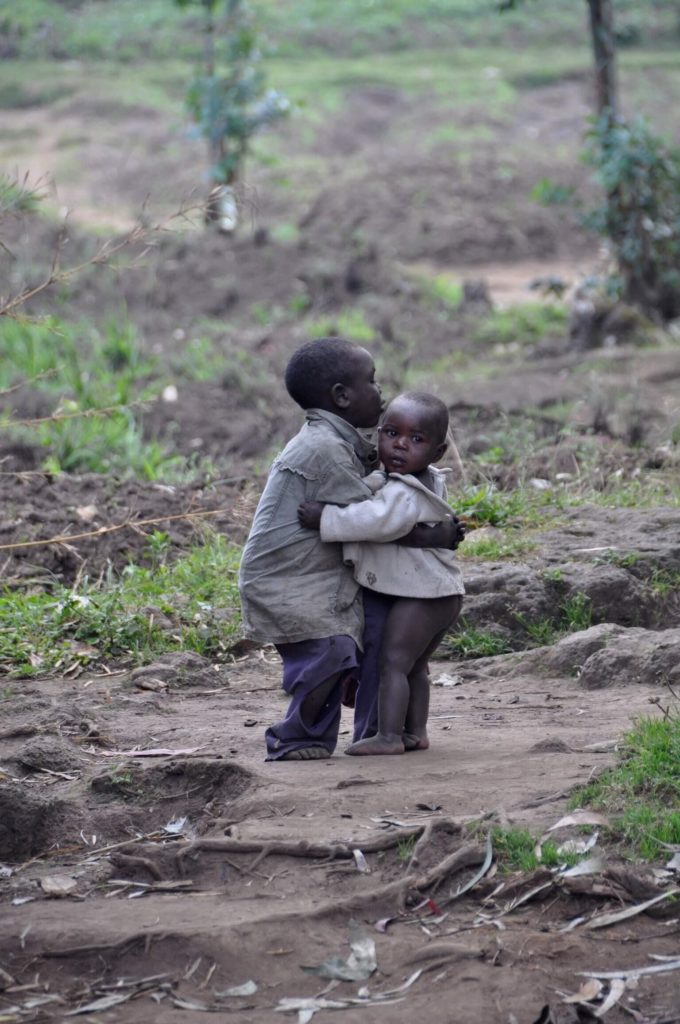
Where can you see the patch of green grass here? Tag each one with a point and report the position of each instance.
(446, 290)
(577, 613)
(542, 632)
(199, 359)
(618, 558)
(127, 30)
(96, 378)
(17, 96)
(515, 850)
(487, 506)
(18, 196)
(405, 848)
(523, 324)
(350, 323)
(537, 78)
(641, 795)
(299, 303)
(285, 233)
(470, 642)
(663, 582)
(575, 616)
(120, 776)
(636, 493)
(495, 547)
(191, 603)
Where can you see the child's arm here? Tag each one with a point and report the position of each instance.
(389, 514)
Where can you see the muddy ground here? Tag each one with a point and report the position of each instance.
(114, 783)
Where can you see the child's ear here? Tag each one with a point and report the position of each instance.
(439, 451)
(339, 396)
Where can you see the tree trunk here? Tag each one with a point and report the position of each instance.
(604, 51)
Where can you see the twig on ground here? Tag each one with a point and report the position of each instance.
(110, 248)
(57, 417)
(69, 538)
(29, 380)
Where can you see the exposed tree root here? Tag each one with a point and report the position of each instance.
(122, 946)
(302, 848)
(465, 857)
(127, 860)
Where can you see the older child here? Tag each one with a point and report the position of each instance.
(296, 591)
(426, 585)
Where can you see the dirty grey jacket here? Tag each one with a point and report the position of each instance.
(293, 586)
(399, 502)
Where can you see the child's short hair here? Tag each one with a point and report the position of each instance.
(437, 412)
(316, 367)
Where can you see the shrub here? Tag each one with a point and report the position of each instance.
(640, 215)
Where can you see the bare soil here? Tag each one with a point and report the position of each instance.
(504, 750)
(151, 925)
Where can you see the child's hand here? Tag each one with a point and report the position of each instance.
(458, 531)
(309, 514)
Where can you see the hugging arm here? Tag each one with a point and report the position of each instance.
(370, 522)
(448, 534)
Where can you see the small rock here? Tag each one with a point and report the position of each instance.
(47, 752)
(550, 746)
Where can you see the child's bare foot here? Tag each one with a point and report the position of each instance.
(376, 745)
(414, 742)
(306, 754)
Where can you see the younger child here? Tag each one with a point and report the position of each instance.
(426, 584)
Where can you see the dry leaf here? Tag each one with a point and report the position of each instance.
(446, 680)
(588, 991)
(580, 817)
(591, 866)
(604, 920)
(58, 885)
(105, 1003)
(361, 862)
(248, 988)
(618, 987)
(87, 513)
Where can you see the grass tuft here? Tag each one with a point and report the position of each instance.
(522, 324)
(189, 604)
(641, 795)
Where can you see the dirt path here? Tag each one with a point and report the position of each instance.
(503, 750)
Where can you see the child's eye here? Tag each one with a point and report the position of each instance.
(416, 439)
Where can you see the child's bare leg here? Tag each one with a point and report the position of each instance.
(414, 736)
(412, 626)
(415, 729)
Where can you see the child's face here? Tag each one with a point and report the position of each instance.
(362, 391)
(408, 443)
